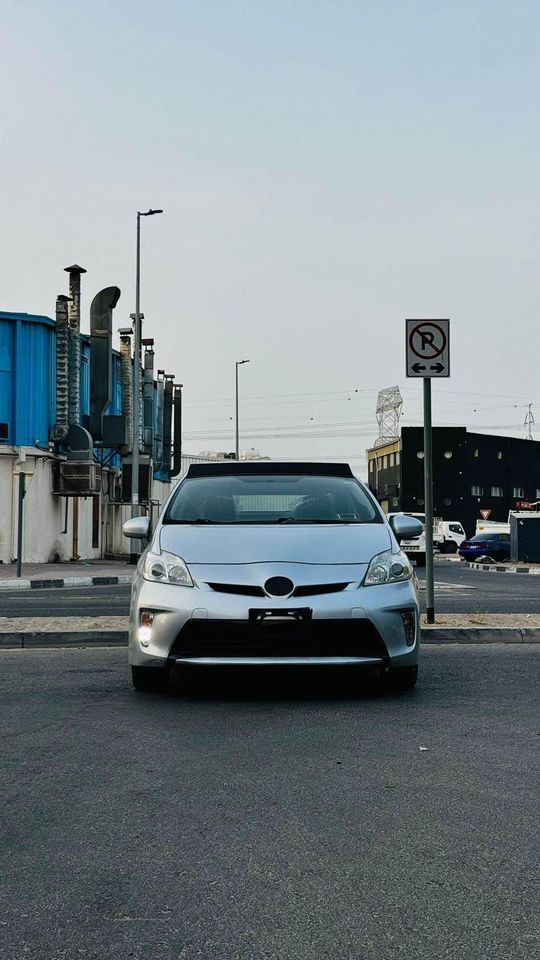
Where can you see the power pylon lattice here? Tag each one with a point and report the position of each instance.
(388, 411)
(528, 423)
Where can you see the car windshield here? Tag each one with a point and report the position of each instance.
(271, 498)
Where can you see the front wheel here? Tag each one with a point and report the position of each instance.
(450, 546)
(149, 678)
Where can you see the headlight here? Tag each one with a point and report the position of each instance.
(388, 567)
(166, 568)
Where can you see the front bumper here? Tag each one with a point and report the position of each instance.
(200, 627)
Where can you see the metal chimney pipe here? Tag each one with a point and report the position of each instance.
(177, 447)
(148, 401)
(74, 372)
(126, 382)
(62, 367)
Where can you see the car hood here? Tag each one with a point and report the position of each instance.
(302, 543)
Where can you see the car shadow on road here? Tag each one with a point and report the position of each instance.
(279, 684)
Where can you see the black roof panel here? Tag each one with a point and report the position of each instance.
(231, 468)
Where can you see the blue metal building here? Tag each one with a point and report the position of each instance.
(27, 378)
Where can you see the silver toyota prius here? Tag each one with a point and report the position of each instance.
(261, 563)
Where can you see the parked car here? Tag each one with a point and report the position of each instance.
(257, 563)
(493, 545)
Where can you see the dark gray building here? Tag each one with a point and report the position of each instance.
(471, 472)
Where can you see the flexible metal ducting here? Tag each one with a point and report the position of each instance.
(148, 402)
(62, 368)
(126, 383)
(74, 368)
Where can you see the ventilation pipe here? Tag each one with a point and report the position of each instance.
(177, 449)
(167, 427)
(101, 310)
(62, 367)
(158, 422)
(148, 397)
(74, 369)
(126, 379)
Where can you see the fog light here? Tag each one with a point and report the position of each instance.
(145, 630)
(409, 625)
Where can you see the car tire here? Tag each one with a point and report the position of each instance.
(450, 546)
(400, 679)
(149, 678)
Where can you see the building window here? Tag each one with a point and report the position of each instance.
(379, 463)
(371, 466)
(499, 454)
(518, 492)
(448, 454)
(397, 459)
(538, 493)
(476, 453)
(420, 454)
(477, 491)
(392, 459)
(385, 462)
(497, 492)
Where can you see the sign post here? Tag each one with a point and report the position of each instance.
(428, 355)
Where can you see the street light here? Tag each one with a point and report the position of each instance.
(238, 364)
(137, 371)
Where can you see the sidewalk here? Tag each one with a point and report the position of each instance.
(83, 573)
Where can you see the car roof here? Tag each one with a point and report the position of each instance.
(228, 468)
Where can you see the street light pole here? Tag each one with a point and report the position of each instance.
(238, 364)
(137, 372)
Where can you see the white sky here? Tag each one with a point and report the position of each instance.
(326, 170)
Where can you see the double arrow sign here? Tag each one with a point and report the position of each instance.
(436, 367)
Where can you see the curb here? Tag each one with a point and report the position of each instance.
(119, 638)
(26, 584)
(496, 568)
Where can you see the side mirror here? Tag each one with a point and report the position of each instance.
(138, 528)
(406, 528)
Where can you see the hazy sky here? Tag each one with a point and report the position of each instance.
(326, 170)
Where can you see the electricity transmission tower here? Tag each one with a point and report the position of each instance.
(528, 423)
(388, 411)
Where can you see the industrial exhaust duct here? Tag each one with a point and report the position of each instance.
(101, 310)
(74, 369)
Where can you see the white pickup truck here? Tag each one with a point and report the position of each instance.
(448, 535)
(415, 549)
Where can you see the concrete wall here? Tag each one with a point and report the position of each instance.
(45, 515)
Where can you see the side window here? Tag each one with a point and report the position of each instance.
(505, 537)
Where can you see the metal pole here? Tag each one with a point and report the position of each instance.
(136, 381)
(20, 520)
(428, 501)
(237, 447)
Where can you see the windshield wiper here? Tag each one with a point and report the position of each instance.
(320, 520)
(197, 520)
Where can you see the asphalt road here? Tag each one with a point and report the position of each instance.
(458, 590)
(286, 820)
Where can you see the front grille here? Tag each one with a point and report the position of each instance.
(316, 588)
(279, 638)
(310, 590)
(239, 588)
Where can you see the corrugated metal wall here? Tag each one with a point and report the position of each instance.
(27, 378)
